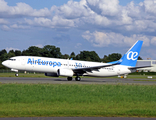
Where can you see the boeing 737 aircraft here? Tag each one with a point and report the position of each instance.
(64, 67)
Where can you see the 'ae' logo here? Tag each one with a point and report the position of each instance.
(132, 55)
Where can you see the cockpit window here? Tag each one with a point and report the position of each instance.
(12, 59)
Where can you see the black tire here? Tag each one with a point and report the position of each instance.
(78, 79)
(69, 78)
(16, 74)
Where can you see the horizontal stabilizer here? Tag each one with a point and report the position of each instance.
(142, 64)
(139, 67)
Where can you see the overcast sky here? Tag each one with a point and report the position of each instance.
(104, 26)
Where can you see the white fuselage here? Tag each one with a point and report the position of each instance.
(51, 65)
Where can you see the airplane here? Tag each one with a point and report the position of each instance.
(55, 67)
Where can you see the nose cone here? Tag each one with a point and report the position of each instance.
(5, 63)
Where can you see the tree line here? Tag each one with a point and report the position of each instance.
(54, 52)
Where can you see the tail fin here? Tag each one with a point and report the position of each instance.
(131, 56)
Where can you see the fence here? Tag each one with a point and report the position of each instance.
(9, 71)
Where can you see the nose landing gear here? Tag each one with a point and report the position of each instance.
(16, 74)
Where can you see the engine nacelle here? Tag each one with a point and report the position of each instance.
(51, 74)
(65, 72)
(14, 70)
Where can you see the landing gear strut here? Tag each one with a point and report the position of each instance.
(77, 78)
(69, 78)
(16, 74)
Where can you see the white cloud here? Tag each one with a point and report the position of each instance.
(43, 22)
(10, 48)
(5, 28)
(55, 22)
(2, 21)
(150, 6)
(125, 18)
(134, 11)
(21, 9)
(98, 14)
(153, 41)
(39, 45)
(78, 45)
(87, 35)
(73, 9)
(15, 26)
(59, 21)
(104, 7)
(102, 39)
(101, 20)
(134, 20)
(3, 6)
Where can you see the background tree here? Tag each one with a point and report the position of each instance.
(139, 58)
(111, 57)
(11, 54)
(65, 56)
(25, 53)
(34, 51)
(3, 57)
(88, 56)
(51, 51)
(72, 55)
(18, 53)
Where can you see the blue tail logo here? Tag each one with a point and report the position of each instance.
(131, 56)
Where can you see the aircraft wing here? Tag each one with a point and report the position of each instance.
(89, 69)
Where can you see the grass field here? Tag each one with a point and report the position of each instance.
(23, 100)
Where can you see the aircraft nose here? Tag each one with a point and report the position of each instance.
(4, 63)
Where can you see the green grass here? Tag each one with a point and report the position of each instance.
(23, 100)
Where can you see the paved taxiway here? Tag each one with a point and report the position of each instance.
(83, 81)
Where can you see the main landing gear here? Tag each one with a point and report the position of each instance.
(77, 78)
(16, 74)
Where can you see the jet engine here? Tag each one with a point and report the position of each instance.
(65, 72)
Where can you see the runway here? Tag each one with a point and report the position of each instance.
(25, 80)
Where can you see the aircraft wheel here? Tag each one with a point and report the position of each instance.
(77, 78)
(16, 74)
(69, 78)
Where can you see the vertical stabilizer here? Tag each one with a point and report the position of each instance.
(131, 56)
